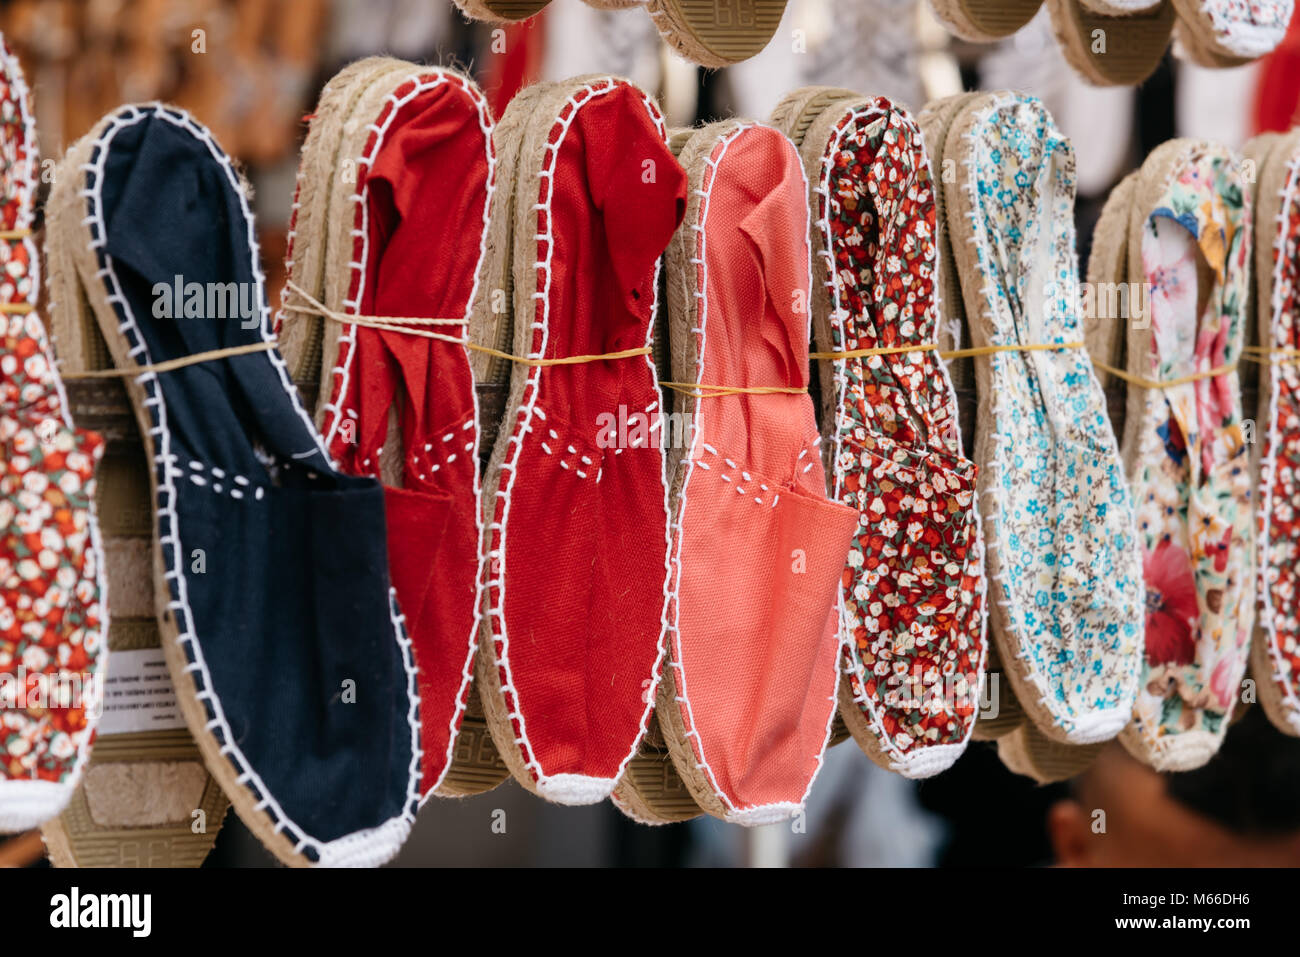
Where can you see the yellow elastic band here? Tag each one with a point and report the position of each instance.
(955, 354)
(563, 361)
(408, 326)
(702, 390)
(1165, 383)
(314, 307)
(15, 233)
(16, 308)
(1030, 347)
(171, 364)
(1263, 354)
(878, 351)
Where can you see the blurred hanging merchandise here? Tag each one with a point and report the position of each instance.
(416, 30)
(815, 44)
(876, 47)
(247, 68)
(716, 34)
(243, 67)
(1027, 60)
(582, 39)
(1213, 33)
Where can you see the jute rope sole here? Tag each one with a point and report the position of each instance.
(652, 792)
(1203, 43)
(936, 121)
(983, 21)
(717, 33)
(303, 339)
(493, 318)
(1029, 752)
(1112, 50)
(1190, 42)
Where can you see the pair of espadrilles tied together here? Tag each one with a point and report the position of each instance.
(714, 34)
(1180, 229)
(1121, 42)
(756, 658)
(1064, 581)
(1043, 510)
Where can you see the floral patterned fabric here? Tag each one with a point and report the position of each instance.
(1192, 478)
(1060, 520)
(913, 616)
(1245, 28)
(1277, 639)
(51, 607)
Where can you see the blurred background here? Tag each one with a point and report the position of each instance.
(251, 71)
